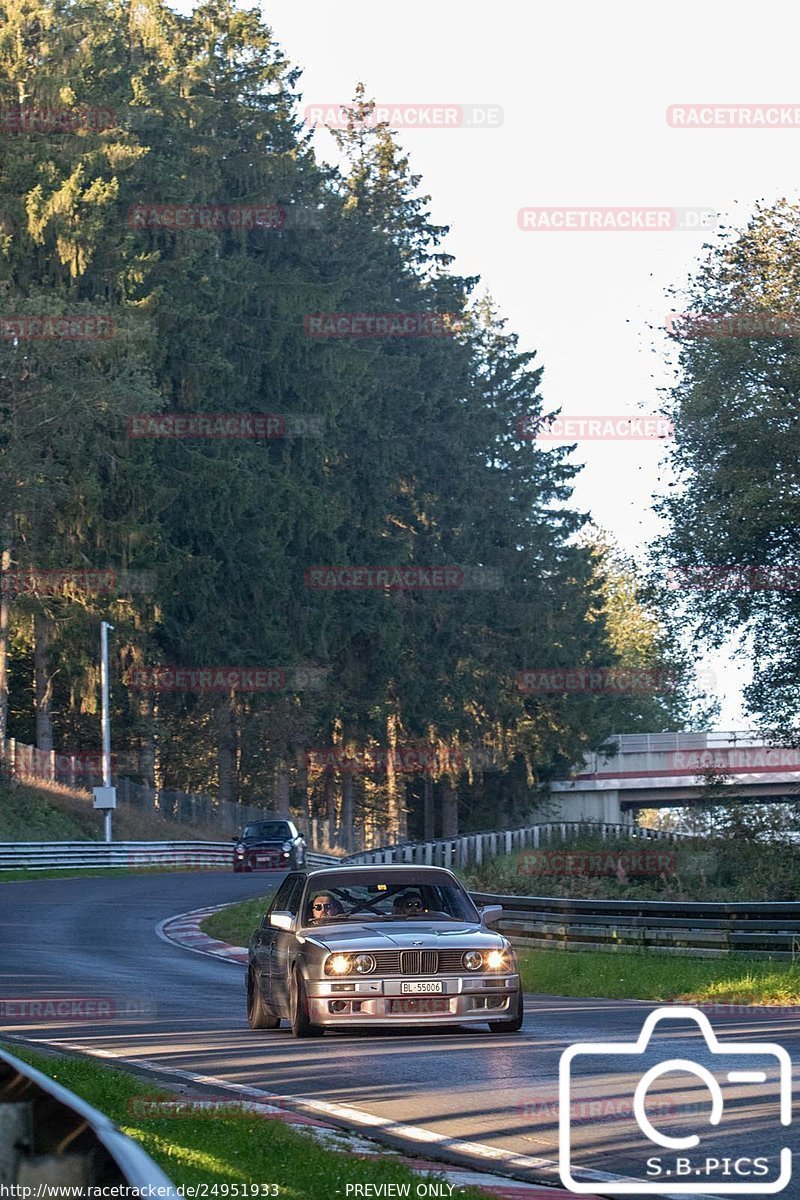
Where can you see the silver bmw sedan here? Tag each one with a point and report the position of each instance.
(382, 946)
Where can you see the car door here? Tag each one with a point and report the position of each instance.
(264, 936)
(283, 942)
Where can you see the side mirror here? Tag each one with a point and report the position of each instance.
(491, 913)
(282, 920)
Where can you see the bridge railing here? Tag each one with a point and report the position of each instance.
(472, 849)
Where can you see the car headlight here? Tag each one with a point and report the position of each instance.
(364, 963)
(472, 960)
(498, 960)
(339, 964)
(239, 849)
(287, 846)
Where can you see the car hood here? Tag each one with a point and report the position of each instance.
(374, 936)
(264, 842)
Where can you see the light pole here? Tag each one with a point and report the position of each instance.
(105, 797)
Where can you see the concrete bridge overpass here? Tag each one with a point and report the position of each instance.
(661, 770)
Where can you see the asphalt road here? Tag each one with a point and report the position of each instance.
(145, 999)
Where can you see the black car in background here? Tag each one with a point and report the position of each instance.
(269, 845)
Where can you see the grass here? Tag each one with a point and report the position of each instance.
(702, 869)
(226, 1148)
(643, 976)
(54, 812)
(23, 876)
(236, 922)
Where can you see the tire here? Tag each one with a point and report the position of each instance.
(258, 1015)
(237, 870)
(511, 1024)
(301, 1026)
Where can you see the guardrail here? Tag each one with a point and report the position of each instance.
(44, 856)
(50, 1138)
(770, 929)
(470, 849)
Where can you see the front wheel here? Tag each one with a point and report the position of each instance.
(258, 1015)
(512, 1024)
(301, 1025)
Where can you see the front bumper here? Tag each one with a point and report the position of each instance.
(381, 1001)
(263, 860)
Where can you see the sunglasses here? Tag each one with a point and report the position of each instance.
(321, 907)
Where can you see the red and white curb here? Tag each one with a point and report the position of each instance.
(184, 930)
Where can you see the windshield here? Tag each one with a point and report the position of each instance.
(416, 900)
(268, 829)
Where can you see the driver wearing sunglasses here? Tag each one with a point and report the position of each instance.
(409, 904)
(324, 906)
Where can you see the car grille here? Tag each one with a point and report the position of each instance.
(417, 962)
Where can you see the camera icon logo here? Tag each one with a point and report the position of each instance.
(689, 1165)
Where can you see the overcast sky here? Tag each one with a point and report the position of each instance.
(584, 91)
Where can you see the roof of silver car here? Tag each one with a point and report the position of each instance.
(381, 868)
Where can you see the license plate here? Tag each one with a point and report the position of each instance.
(431, 988)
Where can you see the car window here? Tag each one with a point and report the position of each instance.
(330, 900)
(287, 897)
(279, 902)
(268, 829)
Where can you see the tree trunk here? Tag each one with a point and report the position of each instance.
(43, 684)
(302, 787)
(329, 798)
(346, 834)
(392, 786)
(5, 613)
(282, 796)
(147, 762)
(402, 812)
(449, 811)
(428, 810)
(226, 751)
